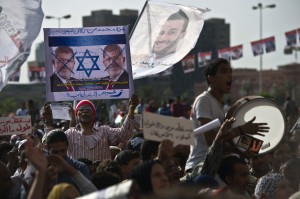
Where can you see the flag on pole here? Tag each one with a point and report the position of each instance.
(163, 35)
(236, 52)
(257, 47)
(20, 23)
(269, 44)
(204, 58)
(291, 38)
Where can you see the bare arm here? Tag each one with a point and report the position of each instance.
(210, 135)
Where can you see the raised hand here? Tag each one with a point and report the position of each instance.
(47, 114)
(36, 156)
(134, 100)
(254, 128)
(61, 164)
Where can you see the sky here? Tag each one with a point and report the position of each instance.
(243, 20)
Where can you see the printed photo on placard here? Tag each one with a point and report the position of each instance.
(87, 63)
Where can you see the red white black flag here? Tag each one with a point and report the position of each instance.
(225, 53)
(188, 63)
(236, 52)
(291, 38)
(204, 58)
(269, 44)
(257, 47)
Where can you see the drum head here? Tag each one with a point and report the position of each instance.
(265, 111)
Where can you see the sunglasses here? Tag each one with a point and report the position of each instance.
(85, 108)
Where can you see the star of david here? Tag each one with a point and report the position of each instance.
(81, 67)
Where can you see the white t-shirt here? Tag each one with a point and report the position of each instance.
(204, 106)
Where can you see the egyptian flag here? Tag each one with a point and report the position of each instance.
(225, 53)
(236, 52)
(291, 38)
(204, 58)
(20, 24)
(188, 63)
(257, 47)
(269, 44)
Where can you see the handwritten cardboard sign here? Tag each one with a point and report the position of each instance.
(15, 125)
(157, 127)
(60, 111)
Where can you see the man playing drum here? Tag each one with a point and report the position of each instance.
(209, 106)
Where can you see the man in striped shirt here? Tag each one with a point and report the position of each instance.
(88, 141)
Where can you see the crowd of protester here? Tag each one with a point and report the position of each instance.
(82, 158)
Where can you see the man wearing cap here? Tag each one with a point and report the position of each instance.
(88, 141)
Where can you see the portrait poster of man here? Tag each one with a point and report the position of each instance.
(269, 44)
(163, 35)
(188, 63)
(257, 47)
(87, 63)
(291, 38)
(204, 58)
(236, 52)
(225, 53)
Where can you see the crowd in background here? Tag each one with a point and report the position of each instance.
(48, 163)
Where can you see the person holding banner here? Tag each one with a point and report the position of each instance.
(114, 62)
(88, 141)
(63, 63)
(209, 106)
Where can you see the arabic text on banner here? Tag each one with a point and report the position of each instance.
(82, 63)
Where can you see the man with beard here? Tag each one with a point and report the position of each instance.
(63, 63)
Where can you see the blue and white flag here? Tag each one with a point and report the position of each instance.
(163, 35)
(20, 24)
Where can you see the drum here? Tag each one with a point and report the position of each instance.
(266, 111)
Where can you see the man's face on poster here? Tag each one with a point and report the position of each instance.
(114, 63)
(64, 65)
(169, 36)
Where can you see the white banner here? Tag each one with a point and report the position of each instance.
(158, 128)
(163, 35)
(15, 125)
(61, 110)
(20, 23)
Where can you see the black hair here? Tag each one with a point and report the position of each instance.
(110, 166)
(125, 156)
(104, 179)
(141, 173)
(56, 135)
(227, 166)
(180, 15)
(212, 67)
(149, 148)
